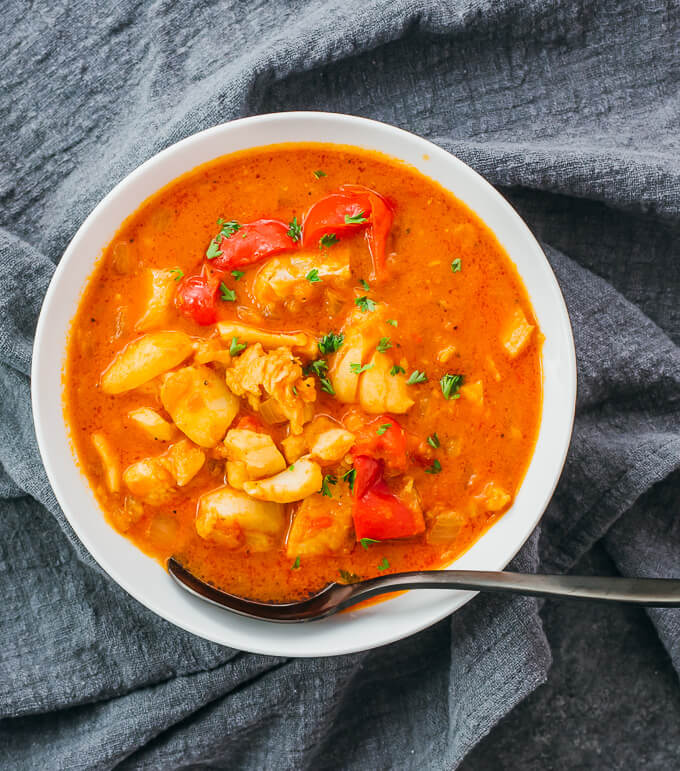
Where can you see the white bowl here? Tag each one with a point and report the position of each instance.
(142, 576)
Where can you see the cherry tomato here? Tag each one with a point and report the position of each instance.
(197, 298)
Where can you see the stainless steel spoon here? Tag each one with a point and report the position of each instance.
(656, 592)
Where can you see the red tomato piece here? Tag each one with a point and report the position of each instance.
(376, 235)
(368, 472)
(329, 216)
(253, 242)
(377, 512)
(383, 439)
(196, 298)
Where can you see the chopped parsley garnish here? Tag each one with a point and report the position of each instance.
(294, 230)
(236, 348)
(416, 377)
(328, 479)
(397, 369)
(228, 295)
(433, 440)
(435, 468)
(384, 344)
(450, 386)
(318, 367)
(296, 564)
(392, 322)
(383, 428)
(365, 304)
(237, 274)
(213, 250)
(365, 542)
(228, 228)
(349, 578)
(328, 239)
(327, 386)
(384, 564)
(456, 265)
(180, 273)
(358, 369)
(318, 173)
(349, 477)
(313, 276)
(294, 390)
(291, 467)
(331, 342)
(356, 219)
(365, 284)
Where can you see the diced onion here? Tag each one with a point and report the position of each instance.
(271, 412)
(445, 527)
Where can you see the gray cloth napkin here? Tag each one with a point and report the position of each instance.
(573, 110)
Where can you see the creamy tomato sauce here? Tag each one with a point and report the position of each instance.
(436, 381)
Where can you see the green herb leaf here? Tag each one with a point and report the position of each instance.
(236, 348)
(349, 477)
(365, 304)
(383, 428)
(356, 219)
(180, 273)
(397, 369)
(213, 250)
(450, 386)
(294, 390)
(433, 440)
(435, 468)
(384, 344)
(416, 377)
(393, 322)
(327, 386)
(237, 274)
(296, 564)
(365, 542)
(229, 228)
(328, 479)
(313, 276)
(328, 239)
(349, 578)
(228, 295)
(294, 230)
(456, 265)
(330, 342)
(317, 367)
(358, 369)
(384, 564)
(318, 173)
(291, 467)
(365, 284)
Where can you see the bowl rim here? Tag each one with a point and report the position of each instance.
(253, 636)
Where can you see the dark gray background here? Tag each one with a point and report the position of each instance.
(572, 109)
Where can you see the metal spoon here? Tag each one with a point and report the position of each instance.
(657, 592)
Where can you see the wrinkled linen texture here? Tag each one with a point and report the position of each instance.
(572, 109)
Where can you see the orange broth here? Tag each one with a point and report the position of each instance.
(481, 443)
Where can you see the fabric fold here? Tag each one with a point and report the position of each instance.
(542, 98)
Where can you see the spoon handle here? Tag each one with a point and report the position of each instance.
(657, 592)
